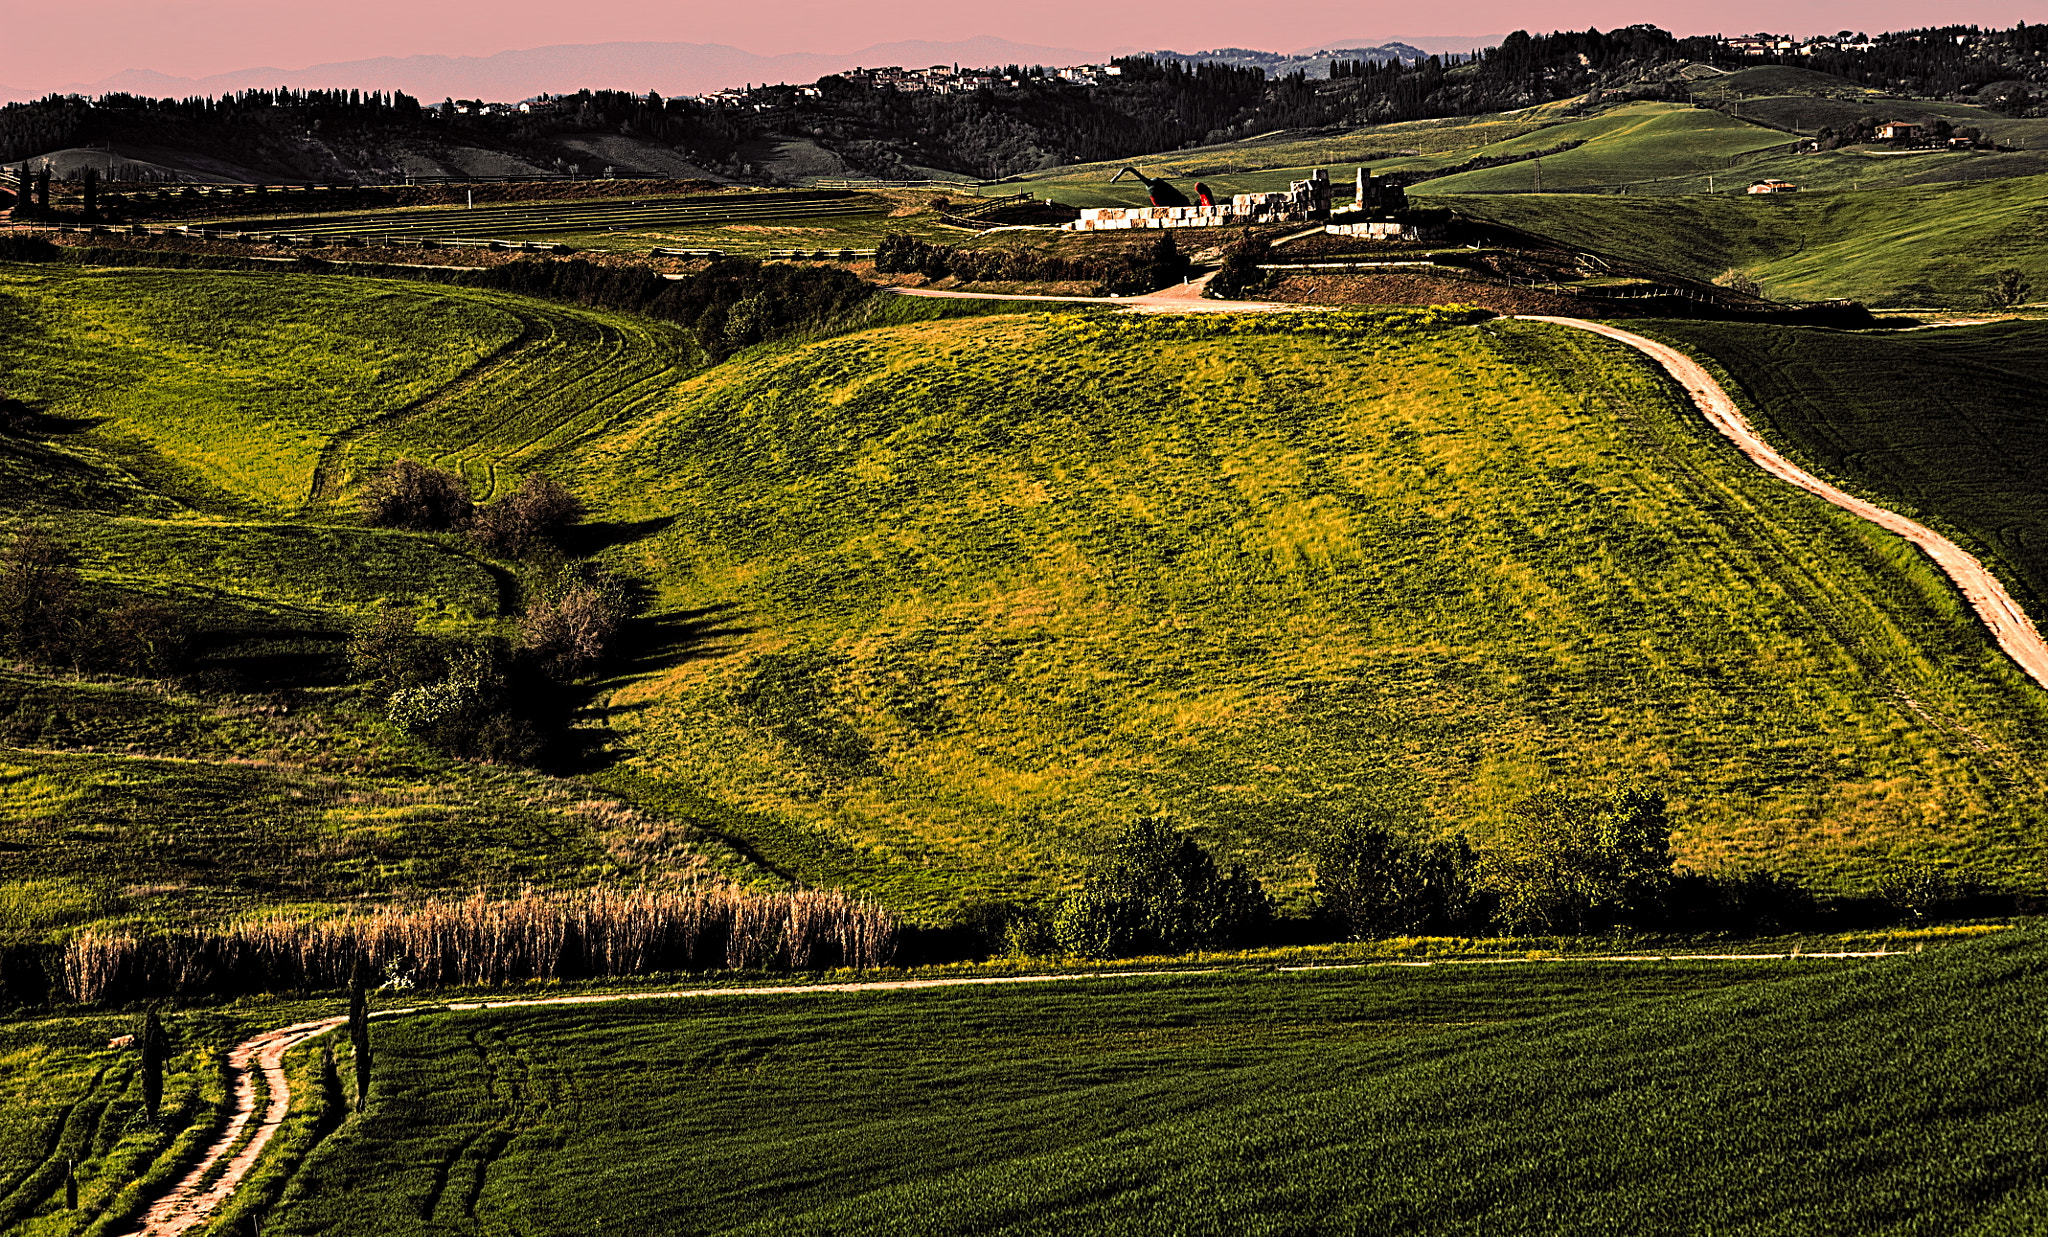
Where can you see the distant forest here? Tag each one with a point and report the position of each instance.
(1154, 105)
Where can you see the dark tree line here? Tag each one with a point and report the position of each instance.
(259, 127)
(1143, 268)
(731, 304)
(1043, 122)
(2003, 69)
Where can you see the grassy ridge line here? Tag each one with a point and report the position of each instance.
(1588, 1097)
(1264, 575)
(1914, 246)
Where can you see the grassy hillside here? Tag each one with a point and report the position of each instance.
(188, 418)
(1914, 246)
(987, 589)
(939, 605)
(1639, 144)
(1936, 423)
(1892, 1096)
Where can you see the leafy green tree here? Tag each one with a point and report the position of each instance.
(1159, 891)
(1564, 863)
(1376, 882)
(1241, 272)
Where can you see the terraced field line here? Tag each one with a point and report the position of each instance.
(326, 484)
(187, 1206)
(192, 1203)
(2009, 624)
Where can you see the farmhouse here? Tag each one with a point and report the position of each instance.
(1893, 130)
(1774, 186)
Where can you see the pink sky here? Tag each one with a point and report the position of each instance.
(49, 45)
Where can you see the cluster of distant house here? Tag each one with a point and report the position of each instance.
(936, 79)
(477, 107)
(1786, 45)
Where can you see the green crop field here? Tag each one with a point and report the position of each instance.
(1925, 245)
(1896, 1095)
(989, 588)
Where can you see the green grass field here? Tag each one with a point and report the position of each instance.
(1899, 1095)
(1926, 245)
(990, 588)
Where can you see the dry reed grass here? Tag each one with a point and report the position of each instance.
(598, 933)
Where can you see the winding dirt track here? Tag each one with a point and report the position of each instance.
(2009, 624)
(191, 1203)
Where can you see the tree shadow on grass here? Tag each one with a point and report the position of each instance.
(646, 645)
(591, 536)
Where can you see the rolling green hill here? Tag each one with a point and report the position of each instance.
(1637, 144)
(188, 419)
(1925, 245)
(994, 587)
(937, 606)
(1899, 1095)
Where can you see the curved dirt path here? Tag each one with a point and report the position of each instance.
(1179, 298)
(192, 1202)
(2009, 624)
(187, 1205)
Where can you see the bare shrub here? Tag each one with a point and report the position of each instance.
(411, 495)
(40, 614)
(570, 631)
(594, 934)
(146, 637)
(531, 518)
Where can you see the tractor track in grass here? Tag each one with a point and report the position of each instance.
(325, 485)
(1993, 605)
(193, 1200)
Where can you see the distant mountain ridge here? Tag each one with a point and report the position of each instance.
(670, 68)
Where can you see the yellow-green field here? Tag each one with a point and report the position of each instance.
(939, 605)
(992, 587)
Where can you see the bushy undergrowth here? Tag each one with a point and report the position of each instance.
(594, 934)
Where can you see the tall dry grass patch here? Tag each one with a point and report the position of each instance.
(481, 940)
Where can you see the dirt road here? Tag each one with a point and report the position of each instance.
(1180, 298)
(193, 1201)
(2009, 624)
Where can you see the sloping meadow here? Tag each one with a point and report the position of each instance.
(985, 590)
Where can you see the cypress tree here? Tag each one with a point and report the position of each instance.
(155, 1047)
(359, 1029)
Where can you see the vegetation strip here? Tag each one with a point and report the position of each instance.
(186, 1206)
(2009, 624)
